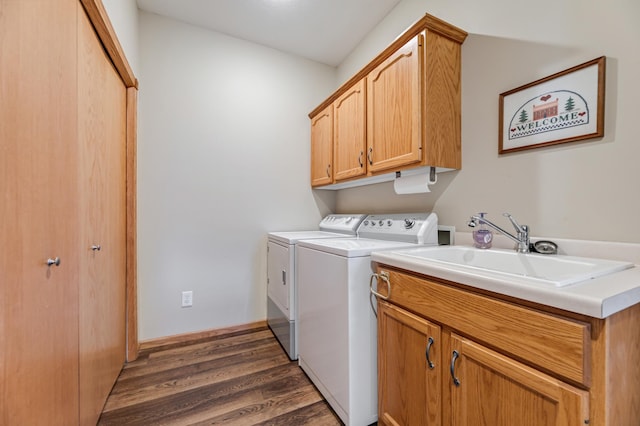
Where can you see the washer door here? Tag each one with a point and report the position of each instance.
(279, 276)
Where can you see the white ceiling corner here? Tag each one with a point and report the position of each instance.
(325, 31)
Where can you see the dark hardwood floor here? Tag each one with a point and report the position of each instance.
(242, 378)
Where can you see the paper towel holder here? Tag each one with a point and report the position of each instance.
(433, 177)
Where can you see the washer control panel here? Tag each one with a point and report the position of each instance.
(342, 223)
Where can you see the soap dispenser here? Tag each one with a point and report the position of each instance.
(482, 236)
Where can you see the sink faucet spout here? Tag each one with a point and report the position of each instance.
(522, 232)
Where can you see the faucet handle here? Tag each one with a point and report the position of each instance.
(514, 222)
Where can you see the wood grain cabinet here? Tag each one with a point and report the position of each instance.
(409, 368)
(322, 147)
(450, 356)
(394, 110)
(338, 138)
(349, 133)
(401, 111)
(63, 218)
(489, 388)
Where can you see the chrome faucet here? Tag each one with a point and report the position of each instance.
(522, 232)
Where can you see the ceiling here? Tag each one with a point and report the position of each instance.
(325, 31)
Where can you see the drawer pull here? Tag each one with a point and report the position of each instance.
(453, 368)
(428, 351)
(384, 277)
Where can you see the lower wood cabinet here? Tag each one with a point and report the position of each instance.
(488, 388)
(409, 368)
(450, 356)
(484, 387)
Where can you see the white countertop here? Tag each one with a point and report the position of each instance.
(598, 297)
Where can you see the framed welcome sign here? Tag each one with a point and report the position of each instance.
(565, 107)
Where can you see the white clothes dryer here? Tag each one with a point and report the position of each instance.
(281, 273)
(337, 326)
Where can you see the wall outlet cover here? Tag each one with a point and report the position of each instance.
(187, 299)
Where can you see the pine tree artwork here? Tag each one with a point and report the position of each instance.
(524, 117)
(570, 105)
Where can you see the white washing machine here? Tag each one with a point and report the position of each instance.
(337, 328)
(281, 274)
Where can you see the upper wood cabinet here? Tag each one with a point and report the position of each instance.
(322, 147)
(394, 113)
(349, 131)
(405, 104)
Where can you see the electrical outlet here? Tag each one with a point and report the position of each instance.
(187, 299)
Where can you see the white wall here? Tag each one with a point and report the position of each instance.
(583, 190)
(123, 15)
(224, 146)
(223, 158)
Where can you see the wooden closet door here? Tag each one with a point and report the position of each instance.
(102, 148)
(38, 219)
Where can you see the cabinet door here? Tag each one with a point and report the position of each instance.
(102, 149)
(322, 147)
(38, 219)
(349, 129)
(394, 109)
(495, 390)
(409, 368)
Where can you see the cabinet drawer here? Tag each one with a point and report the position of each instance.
(552, 343)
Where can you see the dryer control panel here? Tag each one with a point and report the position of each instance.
(417, 228)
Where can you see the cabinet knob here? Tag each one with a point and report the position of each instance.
(96, 247)
(55, 261)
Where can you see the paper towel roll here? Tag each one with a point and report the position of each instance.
(414, 184)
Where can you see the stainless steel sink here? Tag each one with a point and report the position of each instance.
(556, 270)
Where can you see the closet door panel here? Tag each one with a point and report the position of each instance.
(38, 190)
(102, 146)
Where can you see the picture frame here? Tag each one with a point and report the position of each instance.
(567, 106)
